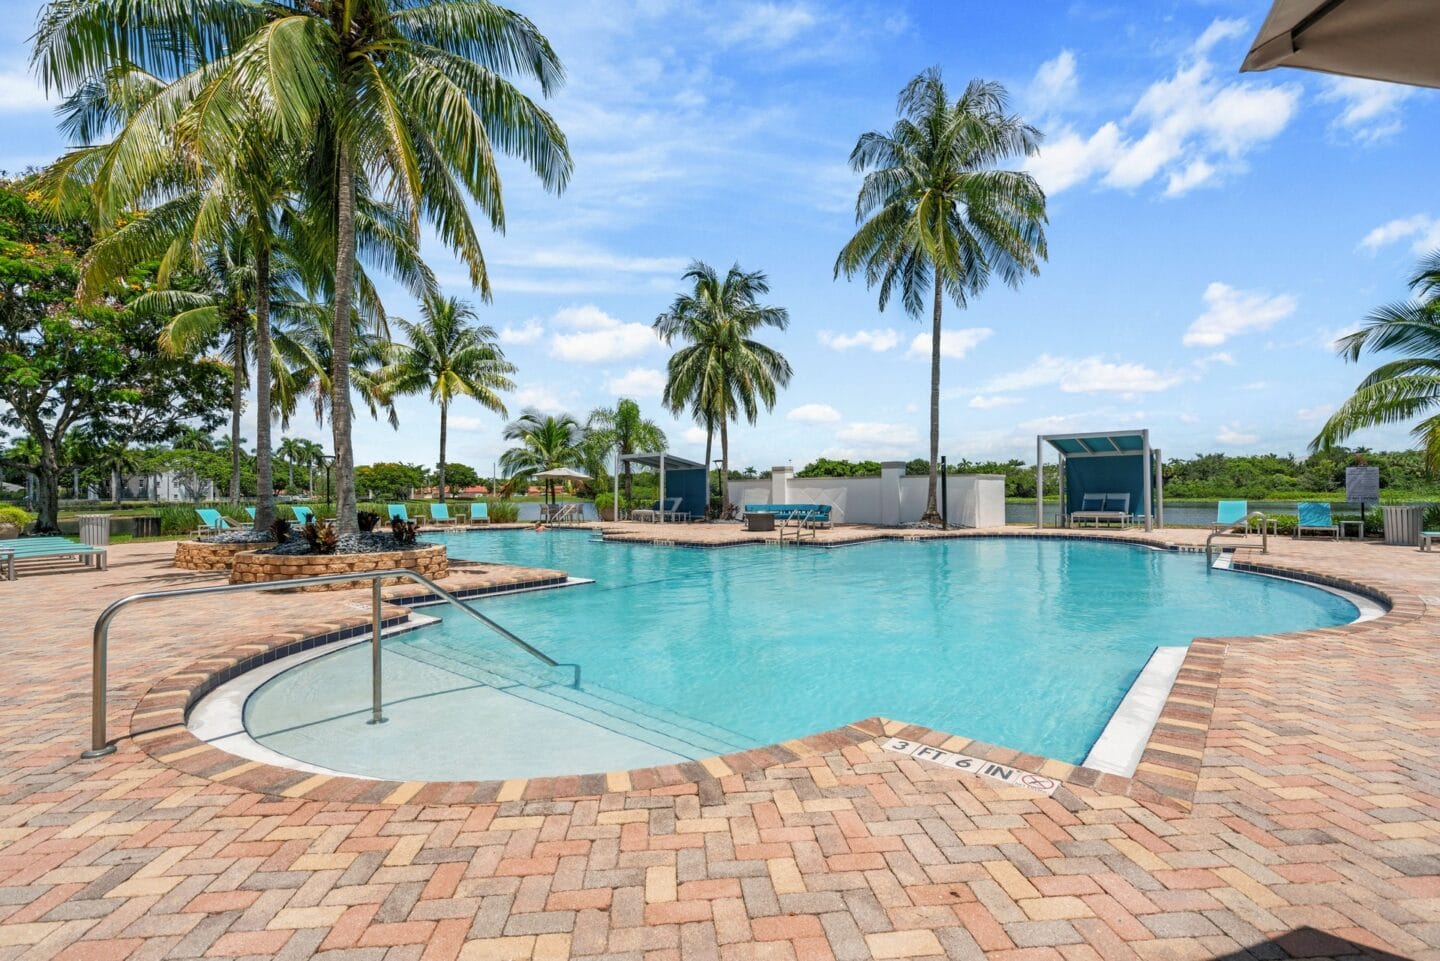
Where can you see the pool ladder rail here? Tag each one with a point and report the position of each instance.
(100, 638)
(802, 524)
(1234, 531)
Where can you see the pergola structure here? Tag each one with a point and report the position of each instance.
(688, 480)
(1119, 461)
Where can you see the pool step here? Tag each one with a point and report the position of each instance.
(550, 687)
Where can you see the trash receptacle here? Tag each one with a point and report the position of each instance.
(94, 529)
(147, 527)
(760, 522)
(1402, 524)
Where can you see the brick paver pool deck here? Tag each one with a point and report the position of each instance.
(1313, 827)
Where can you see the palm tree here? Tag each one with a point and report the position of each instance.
(408, 99)
(449, 355)
(292, 451)
(625, 429)
(1401, 389)
(941, 217)
(545, 442)
(722, 372)
(218, 313)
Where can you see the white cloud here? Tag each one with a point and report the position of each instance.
(1084, 375)
(767, 26)
(1370, 110)
(541, 398)
(1055, 82)
(467, 422)
(878, 340)
(1424, 228)
(693, 435)
(814, 414)
(1312, 414)
(637, 382)
(526, 333)
(1189, 418)
(955, 343)
(1189, 128)
(19, 93)
(1229, 312)
(992, 401)
(573, 257)
(882, 437)
(597, 336)
(1232, 434)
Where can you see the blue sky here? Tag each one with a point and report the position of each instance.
(1210, 233)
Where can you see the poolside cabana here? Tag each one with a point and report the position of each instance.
(1119, 461)
(679, 477)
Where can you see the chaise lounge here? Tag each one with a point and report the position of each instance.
(45, 548)
(1102, 508)
(1315, 516)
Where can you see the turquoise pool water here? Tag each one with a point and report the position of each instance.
(681, 652)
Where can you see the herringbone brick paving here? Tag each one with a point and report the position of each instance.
(1313, 831)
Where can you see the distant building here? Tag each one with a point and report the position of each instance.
(171, 486)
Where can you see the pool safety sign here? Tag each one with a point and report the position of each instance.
(1014, 777)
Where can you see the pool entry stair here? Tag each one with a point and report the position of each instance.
(555, 689)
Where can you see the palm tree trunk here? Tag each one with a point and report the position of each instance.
(932, 515)
(724, 464)
(345, 521)
(264, 470)
(709, 444)
(237, 404)
(444, 414)
(290, 477)
(115, 484)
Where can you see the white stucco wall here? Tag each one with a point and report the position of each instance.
(975, 500)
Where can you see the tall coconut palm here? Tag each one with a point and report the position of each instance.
(722, 372)
(1402, 389)
(217, 313)
(450, 355)
(546, 441)
(409, 99)
(624, 428)
(292, 451)
(938, 215)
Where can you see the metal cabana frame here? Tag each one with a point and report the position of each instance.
(1095, 444)
(659, 461)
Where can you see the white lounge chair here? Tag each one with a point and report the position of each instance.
(1108, 508)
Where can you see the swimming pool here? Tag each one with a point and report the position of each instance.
(686, 653)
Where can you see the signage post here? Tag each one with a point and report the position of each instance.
(1362, 485)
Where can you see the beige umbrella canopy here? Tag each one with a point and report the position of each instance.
(1395, 40)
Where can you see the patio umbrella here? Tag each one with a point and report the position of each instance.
(563, 474)
(1392, 40)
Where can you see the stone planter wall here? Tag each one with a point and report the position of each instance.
(205, 556)
(251, 567)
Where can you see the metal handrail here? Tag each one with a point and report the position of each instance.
(100, 643)
(1228, 531)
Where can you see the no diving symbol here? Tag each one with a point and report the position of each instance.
(1037, 783)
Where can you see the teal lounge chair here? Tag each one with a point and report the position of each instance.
(41, 548)
(397, 510)
(251, 512)
(1315, 516)
(303, 514)
(1427, 538)
(1230, 513)
(480, 512)
(211, 521)
(440, 514)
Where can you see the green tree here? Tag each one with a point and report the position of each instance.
(1402, 389)
(389, 480)
(459, 476)
(721, 372)
(410, 98)
(624, 428)
(292, 451)
(66, 364)
(449, 355)
(546, 441)
(937, 215)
